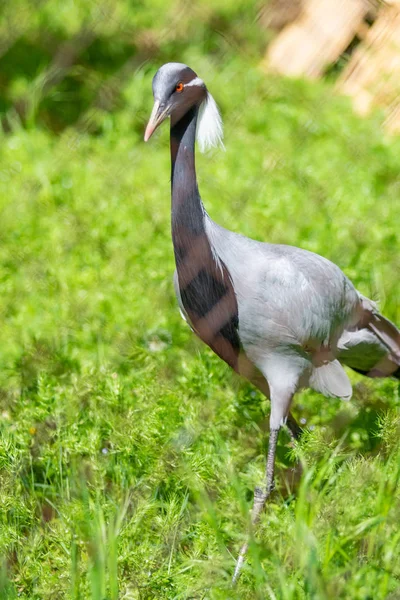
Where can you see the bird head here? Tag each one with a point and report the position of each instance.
(177, 89)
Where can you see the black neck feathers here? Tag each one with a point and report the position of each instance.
(205, 285)
(187, 207)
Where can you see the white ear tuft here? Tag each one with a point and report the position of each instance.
(209, 125)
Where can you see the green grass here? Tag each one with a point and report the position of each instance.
(128, 452)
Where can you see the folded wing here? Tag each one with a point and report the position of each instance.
(373, 346)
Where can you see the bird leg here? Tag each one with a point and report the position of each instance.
(295, 432)
(294, 428)
(260, 498)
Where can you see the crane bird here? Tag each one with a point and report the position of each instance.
(281, 316)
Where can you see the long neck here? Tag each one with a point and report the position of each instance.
(205, 286)
(187, 208)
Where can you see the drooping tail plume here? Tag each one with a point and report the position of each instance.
(372, 348)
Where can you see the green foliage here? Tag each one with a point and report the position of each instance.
(128, 452)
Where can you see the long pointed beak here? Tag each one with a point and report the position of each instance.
(156, 118)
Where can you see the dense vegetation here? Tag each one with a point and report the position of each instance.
(128, 451)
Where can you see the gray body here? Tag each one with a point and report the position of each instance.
(283, 317)
(298, 317)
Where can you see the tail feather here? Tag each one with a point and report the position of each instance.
(373, 348)
(331, 380)
(387, 333)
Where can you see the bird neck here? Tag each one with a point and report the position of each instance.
(187, 207)
(205, 285)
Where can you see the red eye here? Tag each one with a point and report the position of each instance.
(179, 87)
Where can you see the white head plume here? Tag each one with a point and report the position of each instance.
(209, 132)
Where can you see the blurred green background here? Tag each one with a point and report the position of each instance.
(128, 451)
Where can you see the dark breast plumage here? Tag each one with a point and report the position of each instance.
(207, 294)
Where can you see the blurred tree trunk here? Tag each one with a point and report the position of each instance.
(316, 39)
(372, 76)
(279, 13)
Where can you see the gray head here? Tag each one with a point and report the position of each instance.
(176, 89)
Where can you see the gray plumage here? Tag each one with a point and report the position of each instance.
(282, 317)
(299, 315)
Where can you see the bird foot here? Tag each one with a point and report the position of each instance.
(261, 495)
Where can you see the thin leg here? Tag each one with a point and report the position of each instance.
(260, 497)
(295, 430)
